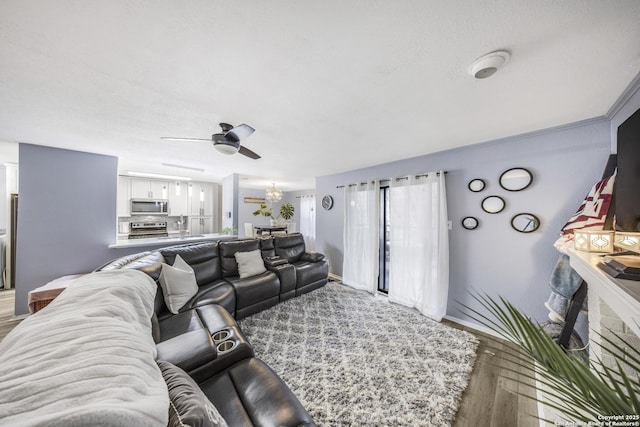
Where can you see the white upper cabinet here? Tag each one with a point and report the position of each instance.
(124, 196)
(149, 189)
(178, 198)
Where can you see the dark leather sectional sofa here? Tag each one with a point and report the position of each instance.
(204, 340)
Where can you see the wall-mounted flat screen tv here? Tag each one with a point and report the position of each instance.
(627, 186)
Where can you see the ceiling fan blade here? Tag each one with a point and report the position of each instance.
(248, 153)
(171, 138)
(240, 132)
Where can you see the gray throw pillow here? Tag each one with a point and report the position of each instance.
(249, 263)
(188, 404)
(178, 284)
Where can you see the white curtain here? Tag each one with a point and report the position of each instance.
(308, 221)
(419, 244)
(360, 264)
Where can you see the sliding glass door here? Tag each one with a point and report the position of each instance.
(384, 253)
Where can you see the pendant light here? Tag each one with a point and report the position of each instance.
(273, 194)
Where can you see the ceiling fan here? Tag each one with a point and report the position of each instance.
(228, 141)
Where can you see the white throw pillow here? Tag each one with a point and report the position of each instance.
(178, 284)
(249, 263)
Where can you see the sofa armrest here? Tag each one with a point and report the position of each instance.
(286, 275)
(189, 350)
(312, 256)
(274, 261)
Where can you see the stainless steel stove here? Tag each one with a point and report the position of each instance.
(145, 230)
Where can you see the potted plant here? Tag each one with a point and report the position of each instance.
(264, 210)
(229, 230)
(286, 212)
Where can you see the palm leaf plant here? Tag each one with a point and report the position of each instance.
(581, 391)
(286, 211)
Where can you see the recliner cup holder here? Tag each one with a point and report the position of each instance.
(221, 335)
(226, 346)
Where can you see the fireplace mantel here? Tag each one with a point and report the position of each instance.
(622, 296)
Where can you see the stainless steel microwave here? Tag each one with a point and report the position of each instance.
(149, 207)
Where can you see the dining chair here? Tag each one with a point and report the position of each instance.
(248, 229)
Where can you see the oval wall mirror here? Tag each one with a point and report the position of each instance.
(525, 222)
(476, 185)
(516, 179)
(469, 223)
(493, 204)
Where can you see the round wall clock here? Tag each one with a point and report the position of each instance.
(327, 202)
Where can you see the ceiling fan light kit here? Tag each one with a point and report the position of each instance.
(226, 147)
(487, 65)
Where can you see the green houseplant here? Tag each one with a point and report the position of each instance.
(229, 230)
(286, 211)
(264, 210)
(582, 392)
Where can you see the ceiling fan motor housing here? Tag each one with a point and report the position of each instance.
(226, 127)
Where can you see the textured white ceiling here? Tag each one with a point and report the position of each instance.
(329, 86)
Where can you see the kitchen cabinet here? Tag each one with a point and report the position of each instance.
(202, 225)
(201, 198)
(148, 189)
(178, 198)
(124, 196)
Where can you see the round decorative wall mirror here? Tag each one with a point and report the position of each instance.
(525, 223)
(516, 179)
(470, 223)
(476, 185)
(493, 204)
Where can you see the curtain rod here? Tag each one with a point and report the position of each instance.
(389, 179)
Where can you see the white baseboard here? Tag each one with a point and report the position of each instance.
(19, 317)
(475, 326)
(335, 277)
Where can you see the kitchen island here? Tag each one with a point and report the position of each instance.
(169, 240)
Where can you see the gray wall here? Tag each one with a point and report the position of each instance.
(66, 215)
(494, 259)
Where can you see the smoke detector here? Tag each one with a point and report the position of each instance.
(487, 65)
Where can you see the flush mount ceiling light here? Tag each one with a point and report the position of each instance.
(273, 194)
(487, 65)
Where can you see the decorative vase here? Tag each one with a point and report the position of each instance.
(272, 222)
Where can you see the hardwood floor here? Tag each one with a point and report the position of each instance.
(7, 322)
(490, 400)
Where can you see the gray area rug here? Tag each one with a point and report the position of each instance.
(356, 360)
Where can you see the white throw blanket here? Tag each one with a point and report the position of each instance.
(86, 359)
